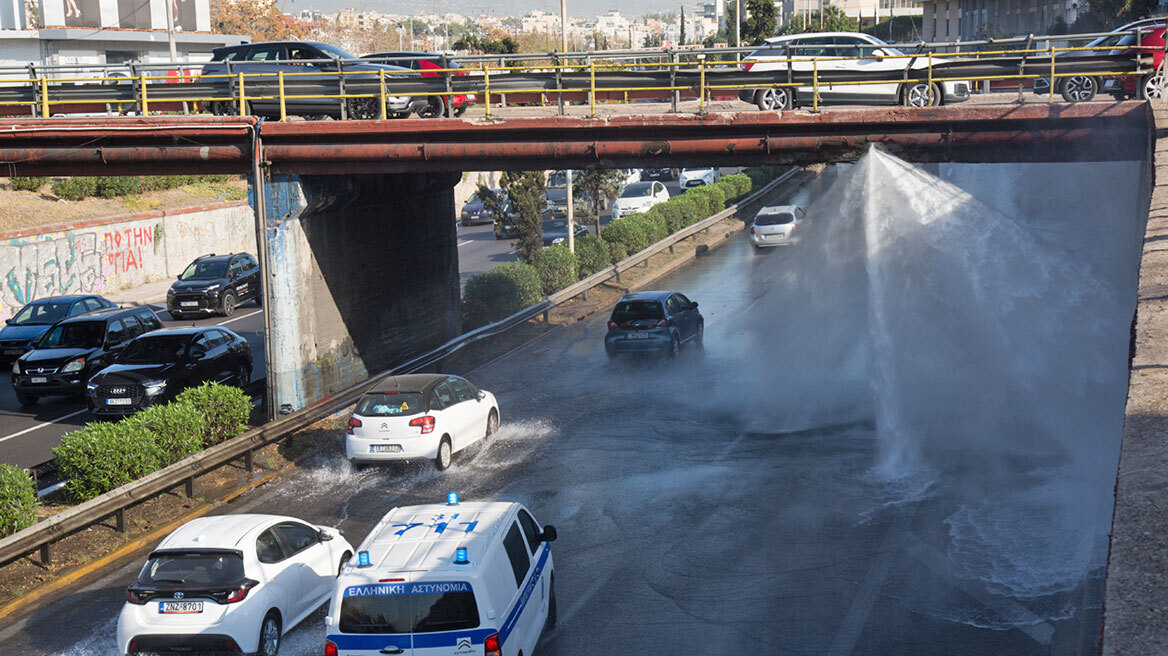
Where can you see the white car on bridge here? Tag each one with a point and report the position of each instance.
(419, 417)
(231, 583)
(843, 51)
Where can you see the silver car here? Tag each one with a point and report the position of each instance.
(777, 225)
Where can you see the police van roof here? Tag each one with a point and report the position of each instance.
(414, 538)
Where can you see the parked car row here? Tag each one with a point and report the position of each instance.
(1083, 88)
(122, 359)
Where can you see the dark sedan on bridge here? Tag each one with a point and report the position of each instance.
(296, 59)
(33, 320)
(653, 322)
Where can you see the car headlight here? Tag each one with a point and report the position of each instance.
(170, 292)
(16, 367)
(154, 387)
(91, 386)
(212, 288)
(558, 240)
(74, 365)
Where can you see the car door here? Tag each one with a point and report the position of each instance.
(257, 60)
(689, 309)
(533, 533)
(115, 340)
(803, 50)
(679, 318)
(525, 630)
(281, 581)
(237, 274)
(251, 273)
(442, 404)
(467, 414)
(201, 364)
(312, 560)
(869, 57)
(223, 362)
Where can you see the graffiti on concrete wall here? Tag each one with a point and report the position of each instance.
(123, 248)
(68, 265)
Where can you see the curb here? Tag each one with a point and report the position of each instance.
(84, 571)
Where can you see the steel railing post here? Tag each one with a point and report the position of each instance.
(702, 83)
(342, 89)
(1022, 66)
(283, 106)
(144, 103)
(45, 96)
(381, 92)
(929, 90)
(487, 89)
(34, 82)
(448, 101)
(592, 85)
(242, 96)
(815, 84)
(674, 94)
(559, 82)
(1050, 98)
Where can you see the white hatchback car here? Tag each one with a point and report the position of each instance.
(639, 197)
(230, 583)
(419, 416)
(691, 178)
(844, 51)
(776, 226)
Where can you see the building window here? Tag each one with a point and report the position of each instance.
(119, 57)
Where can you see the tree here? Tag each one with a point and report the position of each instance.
(261, 20)
(600, 186)
(493, 203)
(525, 190)
(761, 22)
(487, 45)
(681, 37)
(834, 20)
(652, 41)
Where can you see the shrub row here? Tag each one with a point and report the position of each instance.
(115, 186)
(104, 455)
(17, 499)
(511, 287)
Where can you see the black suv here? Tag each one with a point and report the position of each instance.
(66, 356)
(155, 367)
(215, 284)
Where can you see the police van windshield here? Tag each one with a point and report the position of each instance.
(389, 405)
(409, 607)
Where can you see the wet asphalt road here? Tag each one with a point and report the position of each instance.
(692, 518)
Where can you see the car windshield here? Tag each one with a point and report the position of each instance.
(421, 607)
(210, 270)
(558, 179)
(192, 568)
(555, 225)
(774, 218)
(636, 190)
(390, 405)
(82, 334)
(41, 314)
(637, 311)
(157, 349)
(334, 51)
(474, 198)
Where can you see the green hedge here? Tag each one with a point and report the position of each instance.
(591, 254)
(27, 184)
(75, 188)
(558, 268)
(18, 499)
(742, 184)
(122, 185)
(101, 456)
(499, 293)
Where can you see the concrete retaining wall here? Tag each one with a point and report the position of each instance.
(117, 254)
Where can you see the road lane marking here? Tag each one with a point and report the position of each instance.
(42, 425)
(242, 316)
(464, 243)
(861, 606)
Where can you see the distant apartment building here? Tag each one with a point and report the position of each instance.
(951, 20)
(541, 22)
(858, 9)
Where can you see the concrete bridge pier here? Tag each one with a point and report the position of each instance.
(361, 273)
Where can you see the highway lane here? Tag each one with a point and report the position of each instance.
(695, 503)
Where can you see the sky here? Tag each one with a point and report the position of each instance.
(579, 8)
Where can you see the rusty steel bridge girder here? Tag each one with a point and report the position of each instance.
(957, 133)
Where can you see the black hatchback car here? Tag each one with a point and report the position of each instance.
(155, 367)
(66, 356)
(653, 321)
(215, 284)
(24, 328)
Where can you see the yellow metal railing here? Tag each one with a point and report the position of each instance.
(239, 82)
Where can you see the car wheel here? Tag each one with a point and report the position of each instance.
(551, 617)
(460, 110)
(1079, 88)
(773, 99)
(492, 423)
(269, 636)
(397, 114)
(674, 348)
(227, 306)
(917, 95)
(1152, 86)
(700, 335)
(433, 109)
(344, 559)
(364, 109)
(25, 399)
(445, 455)
(242, 375)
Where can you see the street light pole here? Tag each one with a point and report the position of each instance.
(737, 23)
(571, 209)
(170, 30)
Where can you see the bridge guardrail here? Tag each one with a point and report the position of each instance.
(43, 534)
(271, 86)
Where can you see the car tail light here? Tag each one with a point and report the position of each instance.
(133, 597)
(752, 230)
(611, 323)
(427, 424)
(664, 323)
(747, 65)
(240, 593)
(353, 423)
(492, 646)
(330, 648)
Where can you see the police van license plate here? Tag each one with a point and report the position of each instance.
(168, 607)
(384, 448)
(118, 401)
(189, 304)
(637, 336)
(38, 379)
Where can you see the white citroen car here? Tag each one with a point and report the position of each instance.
(419, 416)
(691, 178)
(849, 51)
(776, 226)
(639, 197)
(230, 583)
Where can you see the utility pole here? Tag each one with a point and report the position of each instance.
(737, 24)
(170, 29)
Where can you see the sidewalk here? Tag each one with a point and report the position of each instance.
(148, 294)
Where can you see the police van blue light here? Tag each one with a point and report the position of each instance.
(363, 559)
(452, 499)
(499, 602)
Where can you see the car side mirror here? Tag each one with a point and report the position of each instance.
(549, 534)
(8, 322)
(693, 305)
(878, 54)
(482, 395)
(325, 536)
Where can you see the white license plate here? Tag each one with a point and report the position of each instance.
(189, 304)
(118, 401)
(38, 379)
(384, 448)
(168, 607)
(637, 336)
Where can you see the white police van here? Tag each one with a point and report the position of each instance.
(444, 580)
